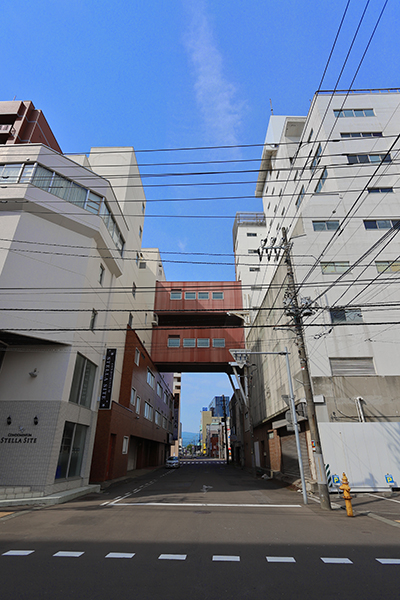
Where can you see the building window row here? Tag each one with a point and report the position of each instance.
(335, 266)
(321, 181)
(354, 112)
(366, 134)
(174, 341)
(177, 295)
(67, 190)
(300, 196)
(353, 159)
(82, 381)
(325, 225)
(148, 411)
(381, 224)
(346, 315)
(390, 266)
(380, 190)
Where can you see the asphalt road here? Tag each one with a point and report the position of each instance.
(204, 531)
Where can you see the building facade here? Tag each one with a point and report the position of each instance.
(330, 179)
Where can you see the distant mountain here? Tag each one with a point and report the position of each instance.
(189, 438)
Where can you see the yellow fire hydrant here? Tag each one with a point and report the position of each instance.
(346, 495)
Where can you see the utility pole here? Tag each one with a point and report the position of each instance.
(296, 313)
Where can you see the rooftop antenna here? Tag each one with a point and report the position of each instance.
(272, 110)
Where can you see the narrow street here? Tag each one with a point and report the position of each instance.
(202, 531)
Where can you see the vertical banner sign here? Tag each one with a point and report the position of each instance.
(176, 416)
(108, 378)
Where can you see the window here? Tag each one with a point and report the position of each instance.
(361, 134)
(203, 295)
(137, 357)
(380, 190)
(310, 135)
(256, 287)
(354, 112)
(130, 320)
(175, 295)
(250, 234)
(165, 397)
(150, 378)
(346, 315)
(353, 159)
(137, 258)
(189, 342)
(325, 225)
(218, 343)
(391, 266)
(254, 269)
(133, 396)
(101, 274)
(10, 173)
(125, 444)
(93, 319)
(140, 231)
(142, 264)
(321, 181)
(174, 341)
(165, 423)
(335, 267)
(251, 251)
(218, 295)
(300, 196)
(138, 404)
(148, 411)
(381, 224)
(159, 390)
(71, 451)
(190, 295)
(316, 159)
(203, 343)
(143, 207)
(134, 289)
(158, 418)
(82, 381)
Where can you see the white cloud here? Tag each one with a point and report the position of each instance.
(215, 95)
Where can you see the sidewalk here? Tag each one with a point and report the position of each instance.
(380, 505)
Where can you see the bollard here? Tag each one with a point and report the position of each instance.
(346, 495)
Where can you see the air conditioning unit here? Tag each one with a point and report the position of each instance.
(154, 319)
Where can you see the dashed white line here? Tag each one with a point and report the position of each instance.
(18, 552)
(172, 557)
(68, 554)
(225, 558)
(389, 561)
(280, 559)
(336, 561)
(120, 555)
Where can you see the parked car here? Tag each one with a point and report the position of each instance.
(172, 462)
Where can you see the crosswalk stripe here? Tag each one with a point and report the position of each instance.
(120, 555)
(68, 554)
(389, 561)
(336, 561)
(225, 558)
(280, 559)
(172, 557)
(18, 552)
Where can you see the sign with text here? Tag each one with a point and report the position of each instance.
(108, 378)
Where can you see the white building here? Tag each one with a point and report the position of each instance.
(71, 230)
(331, 179)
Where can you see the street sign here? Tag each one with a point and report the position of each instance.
(335, 479)
(241, 357)
(389, 479)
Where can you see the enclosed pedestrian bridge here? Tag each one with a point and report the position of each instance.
(196, 324)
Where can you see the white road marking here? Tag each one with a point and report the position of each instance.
(120, 555)
(337, 561)
(223, 558)
(280, 559)
(383, 498)
(69, 554)
(389, 561)
(18, 552)
(172, 557)
(181, 504)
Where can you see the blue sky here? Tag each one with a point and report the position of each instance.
(186, 74)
